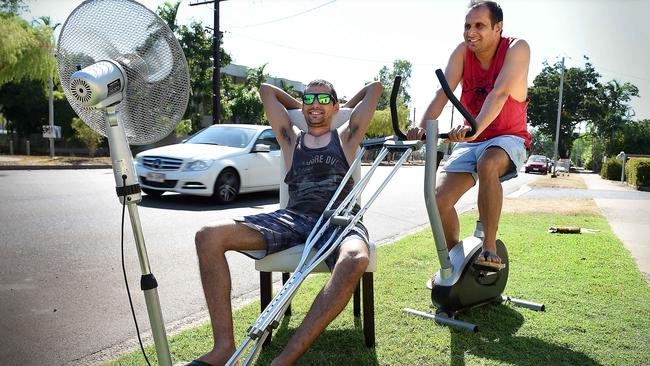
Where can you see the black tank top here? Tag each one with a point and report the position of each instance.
(315, 175)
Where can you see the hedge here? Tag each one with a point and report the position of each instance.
(611, 169)
(638, 171)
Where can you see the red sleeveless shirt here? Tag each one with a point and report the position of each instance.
(478, 83)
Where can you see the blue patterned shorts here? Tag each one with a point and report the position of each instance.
(283, 229)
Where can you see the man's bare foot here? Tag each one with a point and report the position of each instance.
(218, 357)
(489, 260)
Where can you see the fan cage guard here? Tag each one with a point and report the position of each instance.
(124, 31)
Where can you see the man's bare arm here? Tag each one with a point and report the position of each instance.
(364, 104)
(276, 103)
(453, 74)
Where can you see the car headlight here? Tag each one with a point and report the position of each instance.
(138, 159)
(198, 165)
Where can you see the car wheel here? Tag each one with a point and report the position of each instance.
(152, 192)
(226, 187)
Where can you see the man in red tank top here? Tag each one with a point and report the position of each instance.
(493, 71)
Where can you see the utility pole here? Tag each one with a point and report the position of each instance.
(51, 113)
(559, 112)
(216, 71)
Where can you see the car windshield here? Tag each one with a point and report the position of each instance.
(221, 135)
(537, 159)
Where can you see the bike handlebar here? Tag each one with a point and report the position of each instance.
(393, 108)
(450, 95)
(452, 98)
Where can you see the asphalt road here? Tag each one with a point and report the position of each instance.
(62, 294)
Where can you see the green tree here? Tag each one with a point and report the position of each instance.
(25, 50)
(24, 104)
(541, 144)
(387, 76)
(613, 99)
(381, 123)
(197, 47)
(85, 134)
(291, 91)
(244, 102)
(603, 107)
(633, 138)
(168, 12)
(578, 101)
(11, 7)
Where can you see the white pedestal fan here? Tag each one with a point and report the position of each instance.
(125, 75)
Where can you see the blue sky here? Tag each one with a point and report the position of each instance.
(348, 41)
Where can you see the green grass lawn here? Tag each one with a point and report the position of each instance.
(597, 307)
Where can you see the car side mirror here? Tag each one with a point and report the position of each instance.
(261, 148)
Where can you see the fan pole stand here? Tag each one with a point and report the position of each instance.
(128, 189)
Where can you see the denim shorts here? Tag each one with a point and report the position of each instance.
(283, 229)
(465, 155)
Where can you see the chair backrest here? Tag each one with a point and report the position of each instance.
(298, 120)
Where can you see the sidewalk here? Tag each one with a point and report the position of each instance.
(628, 213)
(39, 162)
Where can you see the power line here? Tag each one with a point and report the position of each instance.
(626, 75)
(309, 51)
(361, 59)
(597, 68)
(284, 18)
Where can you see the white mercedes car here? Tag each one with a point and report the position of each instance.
(220, 161)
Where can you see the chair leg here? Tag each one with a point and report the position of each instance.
(285, 278)
(266, 292)
(356, 304)
(368, 309)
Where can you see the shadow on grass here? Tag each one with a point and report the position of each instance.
(497, 340)
(329, 349)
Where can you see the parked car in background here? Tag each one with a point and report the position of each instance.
(549, 164)
(563, 166)
(536, 163)
(219, 161)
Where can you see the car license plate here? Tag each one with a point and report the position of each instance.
(156, 177)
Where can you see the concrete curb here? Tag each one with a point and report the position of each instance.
(53, 167)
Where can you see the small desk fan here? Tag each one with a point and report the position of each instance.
(125, 75)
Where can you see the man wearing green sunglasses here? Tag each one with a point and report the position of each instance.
(316, 161)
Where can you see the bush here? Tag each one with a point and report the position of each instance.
(183, 128)
(638, 172)
(85, 134)
(611, 169)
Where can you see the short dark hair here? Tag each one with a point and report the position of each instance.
(496, 13)
(325, 83)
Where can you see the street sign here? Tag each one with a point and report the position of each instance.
(51, 132)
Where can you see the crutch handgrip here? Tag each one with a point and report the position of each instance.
(340, 221)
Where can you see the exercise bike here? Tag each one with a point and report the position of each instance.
(459, 285)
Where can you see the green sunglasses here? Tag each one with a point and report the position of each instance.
(323, 98)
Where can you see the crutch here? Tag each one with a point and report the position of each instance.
(343, 219)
